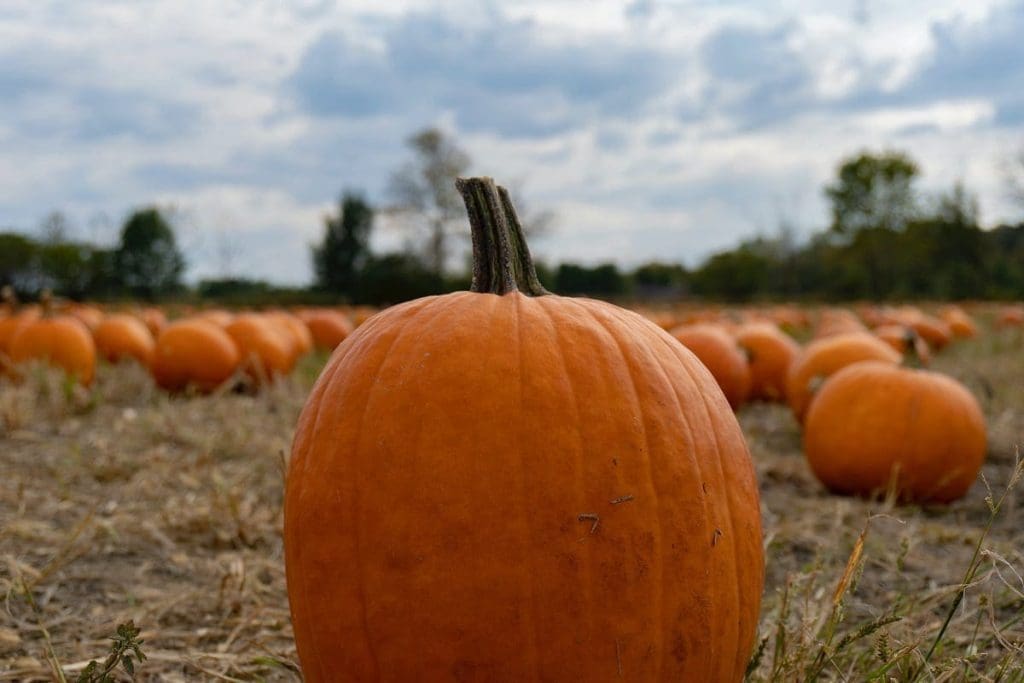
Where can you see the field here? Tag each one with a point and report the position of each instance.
(122, 503)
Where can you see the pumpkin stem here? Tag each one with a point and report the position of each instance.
(501, 258)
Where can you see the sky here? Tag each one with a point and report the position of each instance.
(651, 129)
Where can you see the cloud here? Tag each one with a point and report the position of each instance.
(503, 76)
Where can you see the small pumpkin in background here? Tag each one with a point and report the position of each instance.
(154, 319)
(217, 316)
(907, 342)
(876, 427)
(1010, 316)
(770, 352)
(934, 331)
(505, 484)
(720, 354)
(121, 336)
(295, 329)
(960, 324)
(62, 341)
(328, 328)
(89, 315)
(836, 321)
(194, 352)
(823, 357)
(266, 350)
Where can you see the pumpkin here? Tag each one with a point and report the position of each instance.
(905, 340)
(295, 329)
(62, 341)
(1010, 316)
(266, 350)
(505, 484)
(122, 336)
(90, 315)
(932, 330)
(13, 323)
(154, 319)
(837, 321)
(217, 316)
(960, 324)
(876, 426)
(194, 352)
(770, 353)
(823, 357)
(721, 355)
(328, 328)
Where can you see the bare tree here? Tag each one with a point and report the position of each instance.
(425, 188)
(1013, 170)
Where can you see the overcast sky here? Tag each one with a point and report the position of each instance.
(653, 129)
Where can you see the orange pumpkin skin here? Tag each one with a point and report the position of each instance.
(770, 352)
(511, 488)
(89, 315)
(62, 341)
(960, 324)
(721, 356)
(1010, 316)
(835, 321)
(122, 336)
(823, 357)
(295, 329)
(14, 323)
(194, 352)
(266, 351)
(328, 328)
(932, 330)
(154, 319)
(906, 341)
(873, 421)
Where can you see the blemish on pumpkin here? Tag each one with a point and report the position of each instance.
(590, 517)
(621, 499)
(714, 537)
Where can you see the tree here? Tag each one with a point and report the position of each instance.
(339, 258)
(873, 191)
(148, 260)
(425, 189)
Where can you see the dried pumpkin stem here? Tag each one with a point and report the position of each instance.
(501, 258)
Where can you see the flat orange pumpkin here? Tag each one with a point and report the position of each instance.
(62, 341)
(509, 485)
(874, 426)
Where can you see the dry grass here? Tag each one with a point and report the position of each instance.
(122, 503)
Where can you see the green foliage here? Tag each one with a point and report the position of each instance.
(126, 646)
(873, 191)
(394, 278)
(603, 280)
(148, 261)
(18, 266)
(345, 247)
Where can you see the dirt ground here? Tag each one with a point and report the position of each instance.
(122, 503)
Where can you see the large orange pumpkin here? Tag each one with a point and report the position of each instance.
(822, 357)
(62, 341)
(266, 350)
(874, 426)
(508, 485)
(120, 336)
(720, 354)
(194, 352)
(770, 352)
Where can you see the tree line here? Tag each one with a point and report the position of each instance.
(886, 240)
